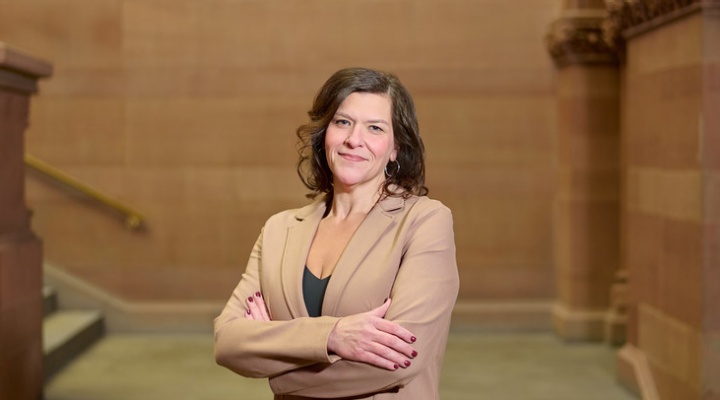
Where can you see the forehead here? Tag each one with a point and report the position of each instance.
(367, 105)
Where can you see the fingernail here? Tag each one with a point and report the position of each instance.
(413, 354)
(396, 366)
(248, 311)
(250, 299)
(407, 363)
(413, 339)
(257, 294)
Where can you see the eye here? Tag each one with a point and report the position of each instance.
(341, 122)
(376, 129)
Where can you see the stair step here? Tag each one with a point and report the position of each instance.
(50, 300)
(66, 334)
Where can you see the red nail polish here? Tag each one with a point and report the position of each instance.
(396, 366)
(250, 299)
(413, 339)
(414, 354)
(248, 311)
(257, 294)
(407, 363)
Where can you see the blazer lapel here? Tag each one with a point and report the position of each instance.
(297, 246)
(367, 234)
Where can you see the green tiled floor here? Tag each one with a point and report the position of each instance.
(477, 366)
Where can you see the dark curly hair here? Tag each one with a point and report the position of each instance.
(409, 176)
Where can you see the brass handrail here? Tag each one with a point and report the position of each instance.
(133, 219)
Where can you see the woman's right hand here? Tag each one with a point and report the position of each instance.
(369, 338)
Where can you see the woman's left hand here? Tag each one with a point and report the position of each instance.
(257, 310)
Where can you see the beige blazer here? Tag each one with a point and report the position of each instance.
(404, 249)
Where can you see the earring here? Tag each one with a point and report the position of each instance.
(389, 175)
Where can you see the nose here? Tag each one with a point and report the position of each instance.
(354, 137)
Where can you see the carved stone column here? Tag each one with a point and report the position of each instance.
(21, 372)
(587, 208)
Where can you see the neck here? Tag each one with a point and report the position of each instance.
(354, 201)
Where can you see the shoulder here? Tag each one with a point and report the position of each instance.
(428, 224)
(426, 204)
(423, 205)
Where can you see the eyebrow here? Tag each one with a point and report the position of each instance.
(372, 121)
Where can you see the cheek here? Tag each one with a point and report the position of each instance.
(385, 148)
(332, 138)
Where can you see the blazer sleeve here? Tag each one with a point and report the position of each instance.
(423, 295)
(260, 349)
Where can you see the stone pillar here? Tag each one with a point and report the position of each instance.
(588, 179)
(671, 196)
(21, 372)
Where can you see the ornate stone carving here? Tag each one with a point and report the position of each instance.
(597, 36)
(579, 40)
(627, 18)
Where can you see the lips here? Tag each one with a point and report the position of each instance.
(351, 157)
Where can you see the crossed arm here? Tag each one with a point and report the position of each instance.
(364, 337)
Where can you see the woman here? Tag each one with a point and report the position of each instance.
(350, 296)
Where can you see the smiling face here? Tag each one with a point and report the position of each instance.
(359, 141)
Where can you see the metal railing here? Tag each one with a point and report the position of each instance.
(134, 220)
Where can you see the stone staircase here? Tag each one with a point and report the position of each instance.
(66, 333)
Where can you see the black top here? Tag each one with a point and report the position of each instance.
(314, 292)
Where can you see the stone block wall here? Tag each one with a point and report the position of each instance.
(670, 202)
